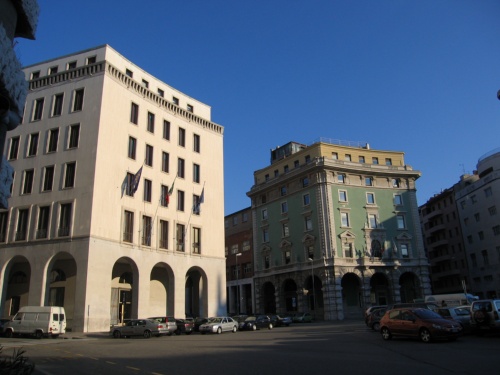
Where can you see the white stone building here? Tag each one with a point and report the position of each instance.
(76, 234)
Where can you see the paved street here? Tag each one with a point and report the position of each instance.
(341, 348)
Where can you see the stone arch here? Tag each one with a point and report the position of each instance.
(410, 289)
(268, 300)
(196, 293)
(124, 290)
(290, 295)
(380, 289)
(16, 276)
(351, 295)
(161, 290)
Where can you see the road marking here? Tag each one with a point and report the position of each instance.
(134, 368)
(111, 363)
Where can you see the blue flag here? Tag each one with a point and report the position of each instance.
(135, 181)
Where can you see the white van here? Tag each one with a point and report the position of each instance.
(452, 300)
(40, 321)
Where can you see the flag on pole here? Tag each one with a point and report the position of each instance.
(135, 181)
(170, 192)
(201, 199)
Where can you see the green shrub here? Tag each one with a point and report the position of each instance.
(18, 364)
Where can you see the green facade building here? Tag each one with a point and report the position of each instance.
(336, 229)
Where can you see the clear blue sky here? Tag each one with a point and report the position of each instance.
(413, 76)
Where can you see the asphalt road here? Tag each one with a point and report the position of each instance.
(338, 348)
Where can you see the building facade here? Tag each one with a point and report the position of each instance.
(478, 202)
(336, 229)
(117, 201)
(239, 262)
(443, 241)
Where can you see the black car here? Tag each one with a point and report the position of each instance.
(198, 322)
(253, 323)
(281, 320)
(184, 326)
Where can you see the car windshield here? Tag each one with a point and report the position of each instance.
(427, 314)
(215, 320)
(250, 318)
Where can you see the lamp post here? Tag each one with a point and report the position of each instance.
(313, 291)
(237, 284)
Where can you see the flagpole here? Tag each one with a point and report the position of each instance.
(192, 209)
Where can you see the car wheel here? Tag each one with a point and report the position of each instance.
(178, 332)
(235, 329)
(117, 334)
(425, 335)
(188, 333)
(386, 334)
(270, 326)
(8, 334)
(39, 334)
(147, 334)
(202, 333)
(376, 326)
(219, 330)
(254, 328)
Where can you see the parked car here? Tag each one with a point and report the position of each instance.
(302, 318)
(219, 325)
(169, 323)
(281, 320)
(419, 323)
(485, 315)
(252, 323)
(460, 314)
(139, 327)
(2, 323)
(373, 319)
(184, 326)
(198, 322)
(371, 309)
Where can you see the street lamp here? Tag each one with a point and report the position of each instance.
(237, 284)
(313, 291)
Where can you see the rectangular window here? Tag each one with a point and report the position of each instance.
(58, 104)
(285, 232)
(264, 214)
(398, 200)
(42, 229)
(395, 182)
(14, 148)
(180, 167)
(361, 159)
(164, 196)
(53, 139)
(196, 173)
(265, 235)
(74, 136)
(132, 146)
(4, 216)
(404, 250)
(368, 181)
(283, 191)
(401, 222)
(190, 108)
(341, 178)
(342, 196)
(146, 230)
(69, 177)
(48, 178)
(134, 113)
(306, 200)
(91, 60)
(130, 183)
(163, 234)
(78, 102)
(149, 155)
(245, 246)
(296, 164)
(388, 161)
(128, 226)
(492, 210)
(165, 161)
(308, 223)
(166, 130)
(196, 240)
(53, 70)
(161, 93)
(151, 122)
(65, 220)
(488, 192)
(284, 207)
(348, 253)
(182, 137)
(38, 111)
(147, 190)
(180, 200)
(33, 145)
(370, 198)
(344, 218)
(196, 143)
(374, 160)
(267, 261)
(373, 220)
(145, 83)
(179, 237)
(196, 204)
(28, 181)
(175, 100)
(22, 225)
(71, 65)
(347, 157)
(35, 75)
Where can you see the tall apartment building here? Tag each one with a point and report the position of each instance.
(442, 232)
(239, 262)
(478, 202)
(336, 228)
(117, 202)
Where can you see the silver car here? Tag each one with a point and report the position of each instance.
(139, 327)
(219, 325)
